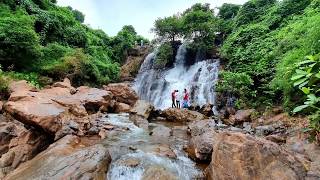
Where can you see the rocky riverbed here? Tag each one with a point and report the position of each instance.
(62, 132)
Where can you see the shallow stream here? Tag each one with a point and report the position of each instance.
(134, 151)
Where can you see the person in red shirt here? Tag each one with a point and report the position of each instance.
(185, 99)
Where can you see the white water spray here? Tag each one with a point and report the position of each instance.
(199, 79)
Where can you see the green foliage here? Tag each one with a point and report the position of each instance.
(164, 55)
(19, 44)
(236, 84)
(169, 28)
(125, 40)
(78, 15)
(197, 24)
(252, 10)
(267, 39)
(307, 79)
(228, 11)
(3, 82)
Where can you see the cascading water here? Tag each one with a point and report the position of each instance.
(199, 79)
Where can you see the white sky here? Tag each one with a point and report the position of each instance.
(111, 15)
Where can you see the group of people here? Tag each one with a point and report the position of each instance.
(177, 97)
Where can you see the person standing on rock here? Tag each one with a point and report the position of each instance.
(178, 97)
(185, 99)
(173, 97)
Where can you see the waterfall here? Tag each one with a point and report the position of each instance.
(199, 79)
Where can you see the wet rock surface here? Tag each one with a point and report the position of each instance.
(68, 158)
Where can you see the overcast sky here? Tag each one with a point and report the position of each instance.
(111, 15)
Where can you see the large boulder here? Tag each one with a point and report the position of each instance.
(199, 127)
(202, 134)
(181, 115)
(65, 84)
(123, 93)
(207, 110)
(66, 159)
(18, 144)
(200, 146)
(240, 117)
(122, 108)
(49, 109)
(142, 108)
(140, 113)
(240, 156)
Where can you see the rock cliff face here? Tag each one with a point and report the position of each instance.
(132, 65)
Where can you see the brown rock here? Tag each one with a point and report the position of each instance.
(159, 173)
(199, 127)
(142, 108)
(276, 138)
(132, 65)
(20, 86)
(200, 146)
(123, 93)
(50, 109)
(240, 156)
(161, 132)
(1, 105)
(182, 115)
(139, 121)
(131, 162)
(207, 110)
(65, 84)
(164, 150)
(230, 121)
(122, 108)
(243, 115)
(18, 144)
(65, 159)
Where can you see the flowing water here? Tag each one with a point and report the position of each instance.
(137, 144)
(199, 79)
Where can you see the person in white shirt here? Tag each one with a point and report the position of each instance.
(178, 99)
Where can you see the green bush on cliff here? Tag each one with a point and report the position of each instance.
(164, 55)
(236, 84)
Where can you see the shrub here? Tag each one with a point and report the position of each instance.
(307, 79)
(235, 84)
(164, 55)
(19, 47)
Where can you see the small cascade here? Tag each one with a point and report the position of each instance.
(199, 79)
(145, 152)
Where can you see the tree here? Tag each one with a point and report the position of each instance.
(252, 10)
(199, 21)
(78, 15)
(124, 41)
(168, 28)
(228, 11)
